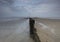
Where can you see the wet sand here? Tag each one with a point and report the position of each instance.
(15, 31)
(48, 30)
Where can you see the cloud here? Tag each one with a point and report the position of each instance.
(30, 8)
(45, 9)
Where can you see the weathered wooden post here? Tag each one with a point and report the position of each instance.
(31, 23)
(33, 33)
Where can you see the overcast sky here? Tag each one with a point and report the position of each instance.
(30, 8)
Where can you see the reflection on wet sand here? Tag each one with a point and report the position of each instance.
(15, 31)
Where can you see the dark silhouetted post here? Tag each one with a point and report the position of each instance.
(33, 33)
(31, 23)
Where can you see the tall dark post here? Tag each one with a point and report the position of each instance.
(33, 33)
(31, 23)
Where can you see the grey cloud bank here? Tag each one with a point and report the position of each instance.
(30, 8)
